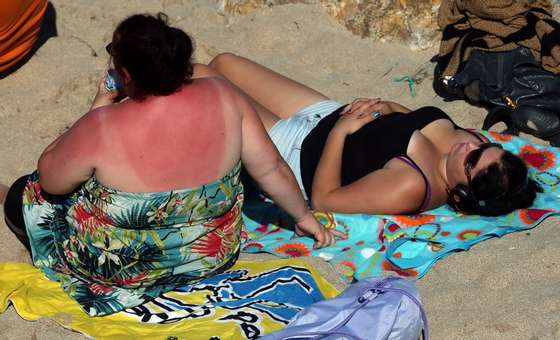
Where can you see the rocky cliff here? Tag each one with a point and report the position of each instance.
(413, 22)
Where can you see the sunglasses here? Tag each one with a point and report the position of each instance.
(474, 156)
(109, 49)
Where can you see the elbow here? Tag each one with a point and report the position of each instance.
(265, 176)
(51, 187)
(44, 176)
(318, 202)
(318, 198)
(317, 206)
(43, 169)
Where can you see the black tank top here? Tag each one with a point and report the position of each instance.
(369, 148)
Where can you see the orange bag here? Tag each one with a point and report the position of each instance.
(20, 21)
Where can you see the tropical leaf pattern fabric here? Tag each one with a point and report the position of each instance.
(113, 250)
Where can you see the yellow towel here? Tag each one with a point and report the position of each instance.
(34, 296)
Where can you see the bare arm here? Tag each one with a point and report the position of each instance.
(266, 166)
(67, 161)
(396, 107)
(262, 160)
(386, 191)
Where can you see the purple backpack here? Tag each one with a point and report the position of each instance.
(372, 309)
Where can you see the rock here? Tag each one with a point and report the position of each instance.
(410, 21)
(413, 22)
(556, 10)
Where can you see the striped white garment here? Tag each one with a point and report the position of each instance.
(288, 134)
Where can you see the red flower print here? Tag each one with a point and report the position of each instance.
(225, 219)
(210, 245)
(221, 239)
(90, 220)
(388, 266)
(99, 289)
(104, 195)
(253, 246)
(500, 137)
(468, 234)
(293, 249)
(32, 193)
(68, 253)
(159, 215)
(393, 227)
(262, 229)
(413, 220)
(177, 202)
(530, 216)
(539, 159)
(131, 281)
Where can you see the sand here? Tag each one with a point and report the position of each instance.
(507, 288)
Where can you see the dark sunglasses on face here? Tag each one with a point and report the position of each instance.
(109, 48)
(474, 156)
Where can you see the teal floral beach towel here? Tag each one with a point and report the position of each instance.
(409, 245)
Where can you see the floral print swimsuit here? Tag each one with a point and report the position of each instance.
(113, 250)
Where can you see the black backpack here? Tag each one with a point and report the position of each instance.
(514, 89)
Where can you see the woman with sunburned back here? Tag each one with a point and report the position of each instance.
(143, 195)
(379, 157)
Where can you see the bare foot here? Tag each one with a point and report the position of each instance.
(3, 192)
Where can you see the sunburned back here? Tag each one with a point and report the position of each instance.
(189, 138)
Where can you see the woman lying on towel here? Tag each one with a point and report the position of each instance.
(378, 157)
(143, 195)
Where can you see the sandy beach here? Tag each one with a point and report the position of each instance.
(505, 288)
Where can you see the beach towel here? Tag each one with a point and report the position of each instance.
(408, 244)
(247, 301)
(20, 21)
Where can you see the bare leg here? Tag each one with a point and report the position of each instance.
(3, 192)
(280, 95)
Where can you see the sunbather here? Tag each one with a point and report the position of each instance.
(379, 157)
(141, 196)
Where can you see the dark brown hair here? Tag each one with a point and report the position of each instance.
(156, 56)
(501, 188)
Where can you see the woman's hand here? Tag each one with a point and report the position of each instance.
(308, 225)
(359, 113)
(366, 106)
(103, 97)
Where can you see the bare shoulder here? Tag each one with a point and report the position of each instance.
(214, 83)
(225, 89)
(93, 119)
(409, 183)
(211, 81)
